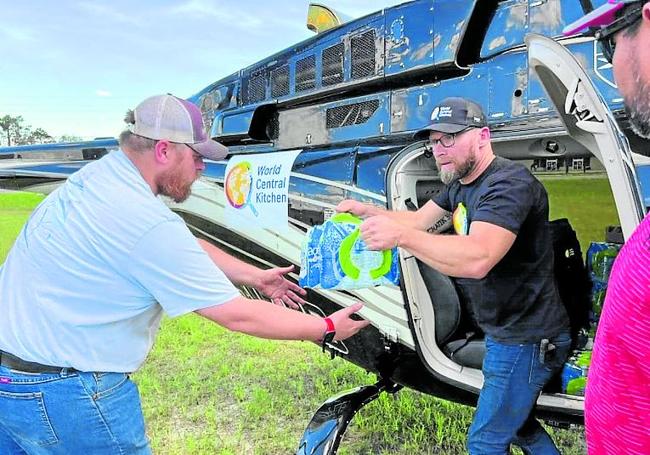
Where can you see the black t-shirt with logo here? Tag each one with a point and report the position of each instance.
(518, 301)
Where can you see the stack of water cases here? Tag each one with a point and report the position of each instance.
(600, 259)
(334, 256)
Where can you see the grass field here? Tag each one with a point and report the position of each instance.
(209, 391)
(14, 210)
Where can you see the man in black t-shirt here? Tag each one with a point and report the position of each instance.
(502, 260)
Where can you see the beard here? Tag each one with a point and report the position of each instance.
(172, 184)
(459, 172)
(638, 106)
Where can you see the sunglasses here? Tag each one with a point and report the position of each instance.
(605, 35)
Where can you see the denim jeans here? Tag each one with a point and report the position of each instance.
(70, 413)
(513, 380)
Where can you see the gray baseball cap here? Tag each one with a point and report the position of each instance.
(453, 115)
(177, 120)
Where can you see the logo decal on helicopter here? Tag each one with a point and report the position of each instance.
(256, 189)
(602, 68)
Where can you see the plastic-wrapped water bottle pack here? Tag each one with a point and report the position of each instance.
(334, 256)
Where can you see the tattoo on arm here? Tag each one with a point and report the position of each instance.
(442, 224)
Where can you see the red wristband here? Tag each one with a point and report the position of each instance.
(330, 325)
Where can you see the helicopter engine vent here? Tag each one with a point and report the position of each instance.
(351, 114)
(333, 64)
(363, 54)
(256, 90)
(306, 73)
(280, 81)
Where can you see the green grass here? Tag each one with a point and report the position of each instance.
(209, 391)
(586, 201)
(14, 211)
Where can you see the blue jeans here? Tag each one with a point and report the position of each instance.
(70, 413)
(513, 380)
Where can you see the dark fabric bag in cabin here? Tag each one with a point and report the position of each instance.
(571, 275)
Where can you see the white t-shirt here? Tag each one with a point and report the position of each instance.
(90, 273)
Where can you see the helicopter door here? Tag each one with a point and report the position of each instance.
(587, 119)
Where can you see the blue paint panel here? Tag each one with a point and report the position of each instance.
(416, 104)
(409, 39)
(371, 168)
(599, 70)
(508, 94)
(59, 146)
(549, 17)
(323, 192)
(333, 166)
(336, 165)
(588, 54)
(67, 168)
(507, 29)
(215, 170)
(450, 20)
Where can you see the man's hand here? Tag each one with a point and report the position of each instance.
(355, 207)
(345, 326)
(381, 233)
(273, 284)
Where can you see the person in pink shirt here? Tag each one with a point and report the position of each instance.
(617, 402)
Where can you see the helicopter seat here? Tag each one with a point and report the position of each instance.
(456, 334)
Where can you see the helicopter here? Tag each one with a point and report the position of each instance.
(343, 106)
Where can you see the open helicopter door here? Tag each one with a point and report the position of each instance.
(588, 120)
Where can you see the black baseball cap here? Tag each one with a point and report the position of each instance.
(453, 115)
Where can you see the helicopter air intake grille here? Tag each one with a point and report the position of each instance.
(306, 74)
(363, 54)
(280, 82)
(351, 114)
(333, 65)
(256, 87)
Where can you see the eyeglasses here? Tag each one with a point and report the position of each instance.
(606, 34)
(446, 140)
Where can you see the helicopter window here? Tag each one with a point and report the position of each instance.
(306, 73)
(280, 81)
(363, 54)
(351, 114)
(333, 64)
(256, 90)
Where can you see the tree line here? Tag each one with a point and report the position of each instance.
(14, 131)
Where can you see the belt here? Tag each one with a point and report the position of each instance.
(16, 363)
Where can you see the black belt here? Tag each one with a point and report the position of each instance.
(16, 363)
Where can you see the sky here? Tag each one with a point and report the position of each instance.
(75, 67)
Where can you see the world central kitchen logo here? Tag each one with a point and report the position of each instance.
(247, 188)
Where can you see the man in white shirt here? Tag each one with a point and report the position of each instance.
(84, 287)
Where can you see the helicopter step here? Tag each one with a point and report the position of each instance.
(326, 428)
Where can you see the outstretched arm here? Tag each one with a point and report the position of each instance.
(426, 217)
(466, 256)
(271, 282)
(258, 318)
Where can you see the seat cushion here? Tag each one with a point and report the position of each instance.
(468, 354)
